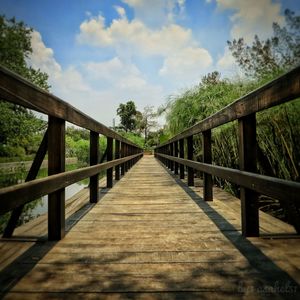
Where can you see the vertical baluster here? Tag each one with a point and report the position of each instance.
(247, 160)
(181, 154)
(176, 155)
(94, 158)
(207, 158)
(190, 157)
(117, 156)
(56, 164)
(109, 172)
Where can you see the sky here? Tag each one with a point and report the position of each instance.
(100, 53)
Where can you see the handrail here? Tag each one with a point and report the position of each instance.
(14, 88)
(278, 91)
(20, 194)
(122, 157)
(172, 152)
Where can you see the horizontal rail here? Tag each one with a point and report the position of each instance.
(16, 195)
(278, 91)
(266, 185)
(16, 89)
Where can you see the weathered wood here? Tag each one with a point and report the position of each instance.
(17, 89)
(56, 164)
(176, 155)
(122, 155)
(273, 187)
(278, 91)
(94, 158)
(117, 156)
(16, 195)
(172, 154)
(34, 169)
(181, 155)
(207, 158)
(144, 238)
(190, 154)
(109, 172)
(248, 161)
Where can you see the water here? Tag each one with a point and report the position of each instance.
(42, 206)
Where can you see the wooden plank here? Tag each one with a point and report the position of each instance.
(281, 90)
(56, 165)
(248, 162)
(109, 172)
(17, 195)
(181, 155)
(94, 158)
(142, 237)
(207, 158)
(17, 89)
(266, 185)
(190, 155)
(117, 156)
(176, 155)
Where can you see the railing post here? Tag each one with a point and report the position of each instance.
(94, 158)
(56, 164)
(126, 154)
(181, 154)
(109, 172)
(190, 157)
(247, 160)
(172, 154)
(207, 158)
(122, 155)
(176, 155)
(117, 155)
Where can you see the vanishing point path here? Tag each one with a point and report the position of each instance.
(153, 237)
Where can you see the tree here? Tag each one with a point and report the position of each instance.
(148, 121)
(273, 56)
(19, 127)
(127, 112)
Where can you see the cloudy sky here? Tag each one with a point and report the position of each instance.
(99, 53)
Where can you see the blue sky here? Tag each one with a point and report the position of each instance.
(99, 53)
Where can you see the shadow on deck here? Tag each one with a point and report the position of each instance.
(153, 237)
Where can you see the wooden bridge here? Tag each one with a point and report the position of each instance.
(150, 229)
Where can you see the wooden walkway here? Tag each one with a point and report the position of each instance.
(152, 237)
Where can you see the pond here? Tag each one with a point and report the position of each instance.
(39, 206)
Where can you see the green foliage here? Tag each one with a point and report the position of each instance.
(273, 56)
(127, 113)
(202, 101)
(15, 49)
(20, 130)
(133, 137)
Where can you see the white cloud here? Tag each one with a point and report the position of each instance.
(156, 13)
(121, 11)
(252, 17)
(188, 64)
(43, 57)
(135, 35)
(123, 81)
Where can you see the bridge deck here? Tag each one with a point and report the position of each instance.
(152, 237)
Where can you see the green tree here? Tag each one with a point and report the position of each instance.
(148, 122)
(19, 127)
(127, 113)
(272, 56)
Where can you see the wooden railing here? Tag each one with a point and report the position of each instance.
(171, 153)
(121, 155)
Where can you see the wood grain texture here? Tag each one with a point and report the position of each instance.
(156, 239)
